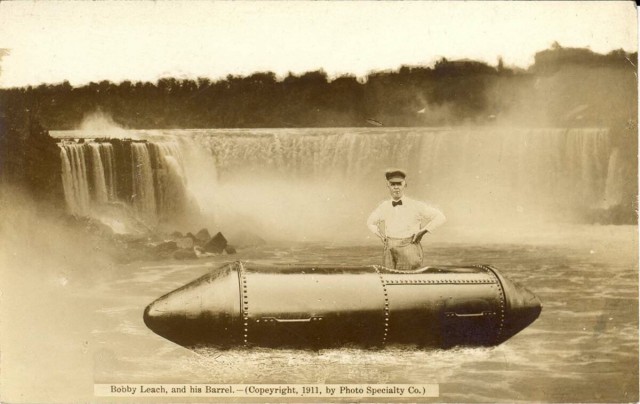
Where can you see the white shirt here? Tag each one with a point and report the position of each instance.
(402, 221)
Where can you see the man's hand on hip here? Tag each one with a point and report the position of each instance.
(417, 238)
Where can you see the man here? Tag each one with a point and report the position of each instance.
(401, 223)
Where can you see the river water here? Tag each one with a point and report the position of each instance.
(584, 347)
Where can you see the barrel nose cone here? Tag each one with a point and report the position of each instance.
(522, 308)
(147, 316)
(152, 315)
(204, 311)
(182, 317)
(160, 319)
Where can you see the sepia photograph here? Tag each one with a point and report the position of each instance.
(331, 201)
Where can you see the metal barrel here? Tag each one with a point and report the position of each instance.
(320, 306)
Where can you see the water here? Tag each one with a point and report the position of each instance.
(584, 347)
(72, 316)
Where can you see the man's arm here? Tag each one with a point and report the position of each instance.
(373, 222)
(432, 219)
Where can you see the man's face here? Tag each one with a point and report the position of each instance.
(396, 187)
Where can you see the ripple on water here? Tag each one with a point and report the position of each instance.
(582, 348)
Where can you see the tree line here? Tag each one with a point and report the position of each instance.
(448, 93)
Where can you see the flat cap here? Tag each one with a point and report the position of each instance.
(394, 173)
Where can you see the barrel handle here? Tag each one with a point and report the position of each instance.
(290, 320)
(482, 314)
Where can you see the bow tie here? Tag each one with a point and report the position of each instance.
(394, 203)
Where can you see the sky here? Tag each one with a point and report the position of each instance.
(49, 42)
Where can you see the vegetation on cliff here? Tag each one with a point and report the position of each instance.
(29, 157)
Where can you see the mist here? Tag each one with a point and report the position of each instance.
(320, 185)
(101, 124)
(45, 268)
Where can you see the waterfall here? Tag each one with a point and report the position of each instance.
(298, 180)
(74, 178)
(617, 176)
(539, 165)
(100, 194)
(170, 183)
(143, 196)
(67, 181)
(108, 158)
(150, 178)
